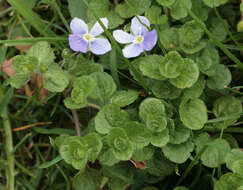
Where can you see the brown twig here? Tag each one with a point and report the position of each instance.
(115, 2)
(76, 121)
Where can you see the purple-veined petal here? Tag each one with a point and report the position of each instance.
(77, 43)
(137, 27)
(132, 50)
(123, 37)
(150, 40)
(97, 30)
(78, 26)
(100, 46)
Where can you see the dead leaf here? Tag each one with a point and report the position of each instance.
(7, 67)
(140, 165)
(43, 92)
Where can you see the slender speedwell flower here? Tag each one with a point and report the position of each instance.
(83, 40)
(140, 39)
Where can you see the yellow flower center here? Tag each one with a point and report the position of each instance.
(88, 37)
(139, 39)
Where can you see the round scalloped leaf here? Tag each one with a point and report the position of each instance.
(172, 65)
(121, 146)
(166, 2)
(180, 134)
(143, 154)
(237, 166)
(156, 123)
(169, 38)
(200, 9)
(229, 181)
(124, 98)
(118, 184)
(194, 48)
(164, 89)
(23, 64)
(227, 106)
(107, 157)
(180, 188)
(110, 116)
(152, 106)
(55, 79)
(105, 87)
(197, 89)
(160, 139)
(178, 153)
(193, 113)
(18, 80)
(138, 134)
(154, 15)
(90, 179)
(178, 9)
(231, 157)
(221, 78)
(188, 76)
(70, 104)
(218, 29)
(214, 3)
(215, 153)
(149, 66)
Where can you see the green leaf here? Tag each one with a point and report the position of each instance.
(154, 15)
(156, 123)
(229, 181)
(179, 9)
(107, 157)
(215, 155)
(166, 2)
(193, 48)
(138, 134)
(169, 38)
(179, 134)
(160, 166)
(172, 65)
(25, 64)
(237, 166)
(180, 188)
(110, 116)
(200, 9)
(70, 104)
(77, 9)
(121, 146)
(164, 89)
(43, 52)
(214, 3)
(55, 80)
(188, 76)
(75, 152)
(178, 153)
(227, 106)
(105, 86)
(18, 80)
(217, 28)
(124, 98)
(90, 179)
(232, 157)
(143, 154)
(151, 106)
(193, 113)
(149, 66)
(160, 139)
(221, 78)
(118, 184)
(135, 7)
(94, 143)
(197, 89)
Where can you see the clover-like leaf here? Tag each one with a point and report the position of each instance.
(124, 98)
(143, 154)
(214, 3)
(218, 28)
(160, 139)
(164, 89)
(18, 80)
(231, 157)
(179, 9)
(121, 146)
(151, 106)
(55, 79)
(229, 181)
(193, 48)
(179, 134)
(77, 9)
(193, 113)
(178, 153)
(221, 78)
(110, 116)
(105, 87)
(156, 123)
(118, 184)
(25, 64)
(149, 66)
(138, 134)
(188, 76)
(166, 2)
(43, 52)
(70, 104)
(172, 65)
(169, 38)
(200, 9)
(154, 15)
(75, 152)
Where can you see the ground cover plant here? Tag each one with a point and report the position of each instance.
(121, 94)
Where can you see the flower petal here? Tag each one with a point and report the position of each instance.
(123, 37)
(96, 30)
(132, 50)
(150, 40)
(137, 27)
(100, 46)
(78, 26)
(77, 43)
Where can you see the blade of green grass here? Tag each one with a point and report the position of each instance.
(51, 163)
(113, 67)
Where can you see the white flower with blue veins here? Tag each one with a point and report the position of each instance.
(83, 40)
(140, 40)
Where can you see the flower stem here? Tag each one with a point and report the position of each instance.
(76, 121)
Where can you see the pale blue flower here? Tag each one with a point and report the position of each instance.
(141, 39)
(83, 40)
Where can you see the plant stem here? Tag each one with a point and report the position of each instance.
(76, 121)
